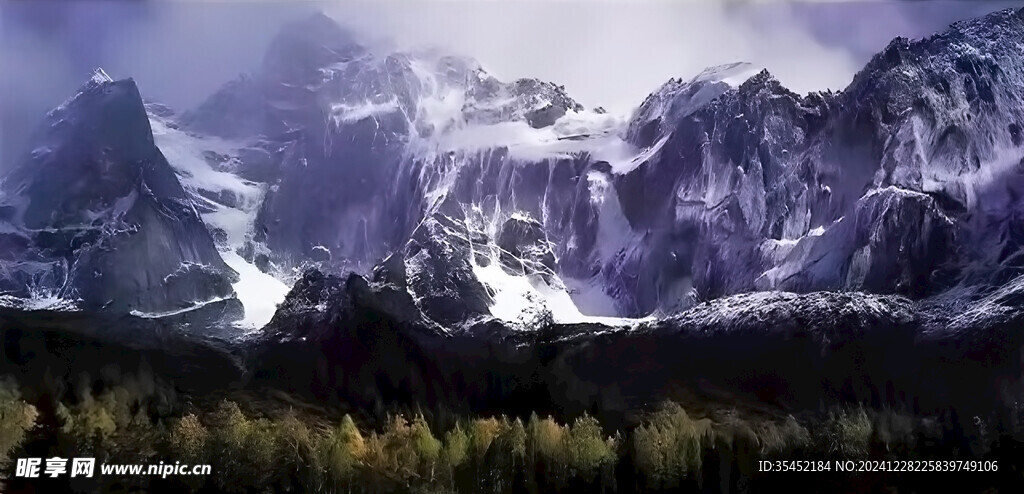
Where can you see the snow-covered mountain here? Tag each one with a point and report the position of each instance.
(721, 184)
(94, 217)
(361, 151)
(485, 199)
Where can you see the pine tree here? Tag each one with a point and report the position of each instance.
(670, 446)
(456, 451)
(586, 447)
(345, 451)
(546, 447)
(188, 438)
(427, 447)
(16, 419)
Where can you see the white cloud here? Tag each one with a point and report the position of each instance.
(609, 53)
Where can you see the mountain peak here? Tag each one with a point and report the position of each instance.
(304, 46)
(990, 42)
(88, 151)
(1008, 15)
(103, 212)
(103, 108)
(733, 74)
(762, 79)
(99, 76)
(677, 98)
(321, 27)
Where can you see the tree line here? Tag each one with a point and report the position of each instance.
(670, 450)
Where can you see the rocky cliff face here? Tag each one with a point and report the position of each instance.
(95, 217)
(509, 200)
(927, 128)
(885, 187)
(350, 120)
(724, 183)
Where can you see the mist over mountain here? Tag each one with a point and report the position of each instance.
(49, 46)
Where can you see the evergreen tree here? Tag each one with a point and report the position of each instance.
(16, 419)
(188, 438)
(345, 451)
(427, 447)
(455, 452)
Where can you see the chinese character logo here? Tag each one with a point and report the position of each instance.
(28, 467)
(83, 467)
(56, 466)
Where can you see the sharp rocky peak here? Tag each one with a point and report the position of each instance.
(316, 68)
(308, 44)
(994, 36)
(93, 147)
(676, 99)
(101, 215)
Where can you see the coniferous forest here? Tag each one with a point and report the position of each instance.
(293, 450)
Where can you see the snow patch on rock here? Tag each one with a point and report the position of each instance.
(259, 292)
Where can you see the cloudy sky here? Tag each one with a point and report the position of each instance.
(606, 52)
(613, 53)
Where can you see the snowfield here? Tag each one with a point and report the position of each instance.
(259, 292)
